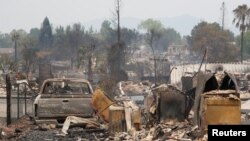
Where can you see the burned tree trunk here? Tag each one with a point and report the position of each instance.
(116, 60)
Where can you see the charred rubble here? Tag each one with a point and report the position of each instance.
(140, 111)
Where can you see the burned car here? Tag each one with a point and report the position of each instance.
(62, 97)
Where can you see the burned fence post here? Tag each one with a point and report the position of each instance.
(8, 99)
(25, 98)
(18, 98)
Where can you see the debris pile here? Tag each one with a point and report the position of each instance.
(245, 112)
(122, 114)
(18, 128)
(168, 113)
(173, 98)
(87, 123)
(171, 130)
(217, 98)
(136, 91)
(133, 88)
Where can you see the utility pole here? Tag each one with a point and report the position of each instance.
(223, 16)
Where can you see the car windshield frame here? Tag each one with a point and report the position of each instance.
(66, 87)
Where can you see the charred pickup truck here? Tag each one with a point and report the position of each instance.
(62, 97)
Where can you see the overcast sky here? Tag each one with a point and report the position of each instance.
(25, 14)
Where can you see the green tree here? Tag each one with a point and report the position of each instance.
(107, 33)
(75, 36)
(86, 52)
(169, 36)
(29, 53)
(5, 40)
(6, 63)
(246, 49)
(247, 42)
(46, 37)
(219, 44)
(242, 21)
(129, 36)
(34, 33)
(61, 46)
(132, 39)
(154, 31)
